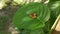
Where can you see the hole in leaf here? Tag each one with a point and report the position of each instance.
(33, 15)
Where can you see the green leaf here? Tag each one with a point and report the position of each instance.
(56, 8)
(55, 11)
(23, 18)
(37, 32)
(25, 31)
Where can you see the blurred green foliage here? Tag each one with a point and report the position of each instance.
(3, 20)
(54, 6)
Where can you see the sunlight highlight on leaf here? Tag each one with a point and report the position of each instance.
(2, 3)
(54, 6)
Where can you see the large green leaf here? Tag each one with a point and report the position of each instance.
(22, 19)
